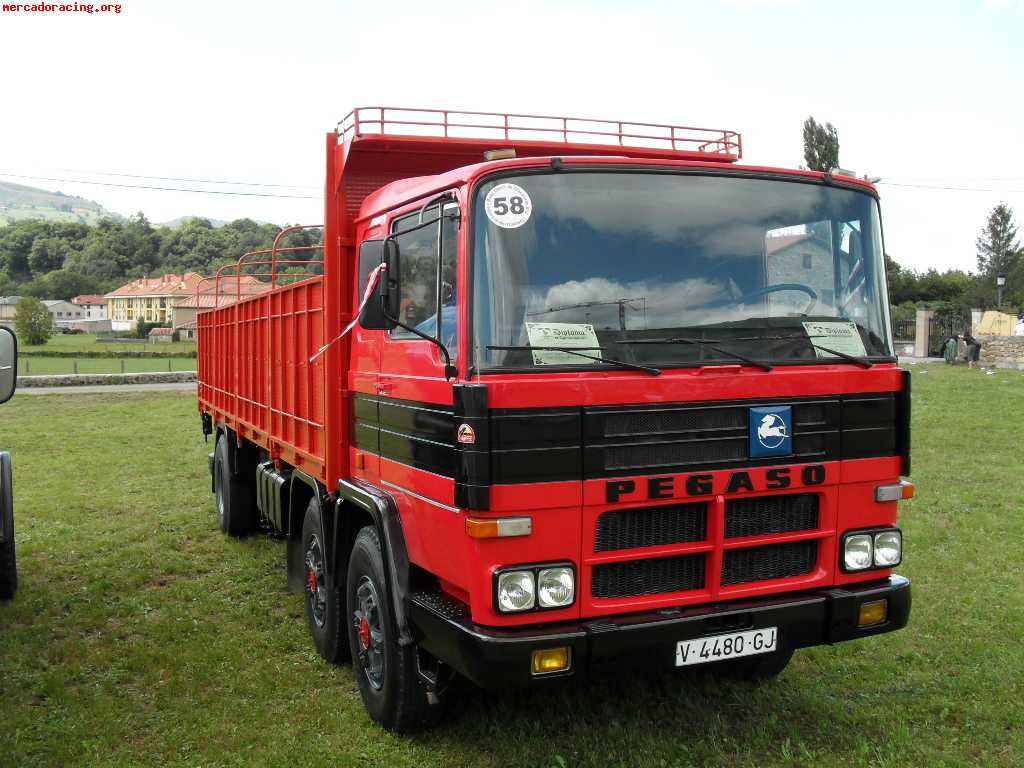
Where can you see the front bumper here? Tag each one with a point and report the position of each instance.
(495, 658)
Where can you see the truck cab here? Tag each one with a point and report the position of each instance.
(594, 391)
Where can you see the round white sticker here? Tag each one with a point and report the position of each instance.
(508, 206)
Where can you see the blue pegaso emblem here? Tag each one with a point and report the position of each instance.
(771, 431)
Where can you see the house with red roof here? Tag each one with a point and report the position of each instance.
(149, 299)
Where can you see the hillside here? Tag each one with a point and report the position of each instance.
(18, 202)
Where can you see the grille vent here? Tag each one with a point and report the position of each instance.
(775, 561)
(771, 514)
(651, 526)
(648, 577)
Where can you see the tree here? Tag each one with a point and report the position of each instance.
(821, 145)
(34, 322)
(47, 254)
(998, 247)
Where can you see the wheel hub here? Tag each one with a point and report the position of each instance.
(368, 623)
(316, 593)
(364, 634)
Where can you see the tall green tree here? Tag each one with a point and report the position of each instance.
(998, 246)
(821, 145)
(34, 322)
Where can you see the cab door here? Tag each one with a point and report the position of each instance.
(414, 394)
(365, 373)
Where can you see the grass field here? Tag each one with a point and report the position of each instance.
(86, 342)
(45, 366)
(141, 636)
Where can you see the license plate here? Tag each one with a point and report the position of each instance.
(721, 647)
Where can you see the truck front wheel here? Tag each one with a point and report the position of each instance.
(234, 498)
(386, 672)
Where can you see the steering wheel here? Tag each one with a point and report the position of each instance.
(783, 287)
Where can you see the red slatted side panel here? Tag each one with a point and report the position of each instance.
(255, 375)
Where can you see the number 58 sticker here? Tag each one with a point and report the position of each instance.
(508, 206)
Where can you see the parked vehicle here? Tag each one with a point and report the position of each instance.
(8, 383)
(566, 391)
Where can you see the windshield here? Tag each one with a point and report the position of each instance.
(655, 267)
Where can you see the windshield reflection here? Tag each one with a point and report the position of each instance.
(633, 255)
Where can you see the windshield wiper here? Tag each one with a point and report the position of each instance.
(863, 362)
(709, 343)
(575, 351)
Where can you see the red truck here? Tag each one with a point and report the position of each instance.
(565, 391)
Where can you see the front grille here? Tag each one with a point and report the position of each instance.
(771, 514)
(651, 526)
(675, 454)
(775, 561)
(689, 420)
(648, 577)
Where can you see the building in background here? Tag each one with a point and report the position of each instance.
(183, 313)
(64, 313)
(9, 310)
(161, 335)
(95, 307)
(148, 300)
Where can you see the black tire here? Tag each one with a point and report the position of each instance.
(324, 605)
(386, 673)
(753, 669)
(8, 562)
(234, 497)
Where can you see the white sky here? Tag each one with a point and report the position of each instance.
(927, 94)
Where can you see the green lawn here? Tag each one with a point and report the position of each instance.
(44, 366)
(141, 636)
(86, 342)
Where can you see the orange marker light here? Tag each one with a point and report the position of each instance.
(498, 527)
(904, 489)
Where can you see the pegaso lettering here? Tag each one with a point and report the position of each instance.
(673, 486)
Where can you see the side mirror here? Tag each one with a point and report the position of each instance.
(8, 363)
(391, 280)
(371, 254)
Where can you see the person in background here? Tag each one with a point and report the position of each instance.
(973, 349)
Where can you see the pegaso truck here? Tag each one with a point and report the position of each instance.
(562, 391)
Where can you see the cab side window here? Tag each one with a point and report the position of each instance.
(428, 292)
(418, 298)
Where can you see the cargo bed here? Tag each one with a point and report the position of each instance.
(255, 374)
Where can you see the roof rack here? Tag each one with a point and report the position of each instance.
(367, 122)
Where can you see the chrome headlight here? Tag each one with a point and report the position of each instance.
(516, 591)
(872, 549)
(888, 549)
(857, 552)
(555, 587)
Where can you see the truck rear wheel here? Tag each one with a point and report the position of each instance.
(8, 564)
(234, 498)
(386, 672)
(324, 604)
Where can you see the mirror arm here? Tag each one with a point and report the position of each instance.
(450, 371)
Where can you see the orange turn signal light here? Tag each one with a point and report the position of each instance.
(904, 489)
(498, 527)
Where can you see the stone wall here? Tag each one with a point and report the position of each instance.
(1002, 351)
(93, 379)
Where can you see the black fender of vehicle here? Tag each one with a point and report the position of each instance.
(6, 498)
(383, 510)
(301, 488)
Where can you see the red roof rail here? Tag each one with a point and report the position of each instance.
(365, 122)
